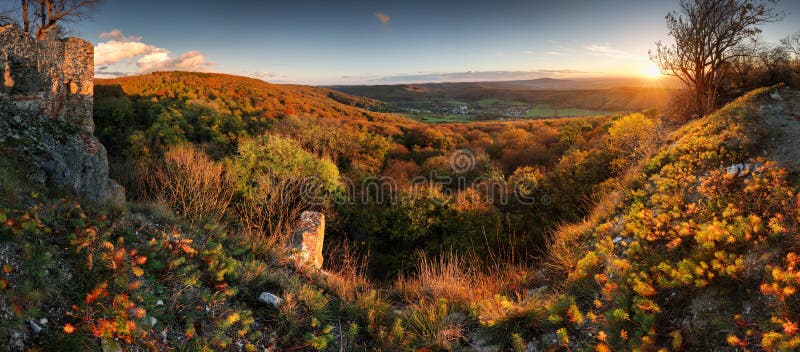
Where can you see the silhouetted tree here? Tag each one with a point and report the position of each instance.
(792, 46)
(40, 16)
(705, 33)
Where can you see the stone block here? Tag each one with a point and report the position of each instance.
(309, 237)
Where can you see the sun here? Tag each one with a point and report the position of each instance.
(651, 71)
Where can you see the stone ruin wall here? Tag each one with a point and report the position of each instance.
(46, 108)
(51, 77)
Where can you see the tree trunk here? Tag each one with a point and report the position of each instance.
(26, 24)
(43, 17)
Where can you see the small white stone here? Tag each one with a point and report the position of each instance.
(269, 298)
(35, 327)
(159, 303)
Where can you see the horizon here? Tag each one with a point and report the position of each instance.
(382, 43)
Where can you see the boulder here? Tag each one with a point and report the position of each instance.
(309, 237)
(268, 298)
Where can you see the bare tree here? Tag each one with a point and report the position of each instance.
(40, 16)
(51, 12)
(705, 33)
(792, 46)
(792, 43)
(6, 15)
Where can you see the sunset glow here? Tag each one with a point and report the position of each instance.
(651, 71)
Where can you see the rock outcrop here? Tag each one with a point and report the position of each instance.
(309, 237)
(46, 103)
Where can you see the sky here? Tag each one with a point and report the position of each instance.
(385, 42)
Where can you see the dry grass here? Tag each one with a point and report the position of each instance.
(435, 325)
(191, 184)
(460, 280)
(570, 241)
(347, 272)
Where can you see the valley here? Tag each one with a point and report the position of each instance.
(516, 100)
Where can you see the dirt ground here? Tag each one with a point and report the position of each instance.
(781, 115)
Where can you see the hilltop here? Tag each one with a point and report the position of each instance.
(246, 96)
(696, 248)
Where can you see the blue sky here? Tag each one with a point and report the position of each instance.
(378, 42)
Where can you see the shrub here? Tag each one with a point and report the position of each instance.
(277, 180)
(192, 184)
(633, 137)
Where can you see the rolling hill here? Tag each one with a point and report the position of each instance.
(615, 95)
(246, 96)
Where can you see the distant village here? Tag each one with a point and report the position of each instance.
(509, 111)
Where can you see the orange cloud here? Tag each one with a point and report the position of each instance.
(116, 35)
(161, 61)
(383, 18)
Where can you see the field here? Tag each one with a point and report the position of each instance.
(545, 110)
(485, 101)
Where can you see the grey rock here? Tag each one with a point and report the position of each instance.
(775, 96)
(537, 291)
(309, 237)
(479, 344)
(17, 342)
(35, 327)
(46, 113)
(110, 346)
(268, 298)
(735, 169)
(549, 338)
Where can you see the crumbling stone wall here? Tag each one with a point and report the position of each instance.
(51, 77)
(46, 103)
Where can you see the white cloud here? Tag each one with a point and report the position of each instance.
(116, 35)
(262, 75)
(112, 52)
(146, 58)
(605, 50)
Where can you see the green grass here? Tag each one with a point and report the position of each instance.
(455, 102)
(544, 110)
(494, 102)
(487, 102)
(443, 118)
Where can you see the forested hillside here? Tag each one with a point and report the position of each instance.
(395, 190)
